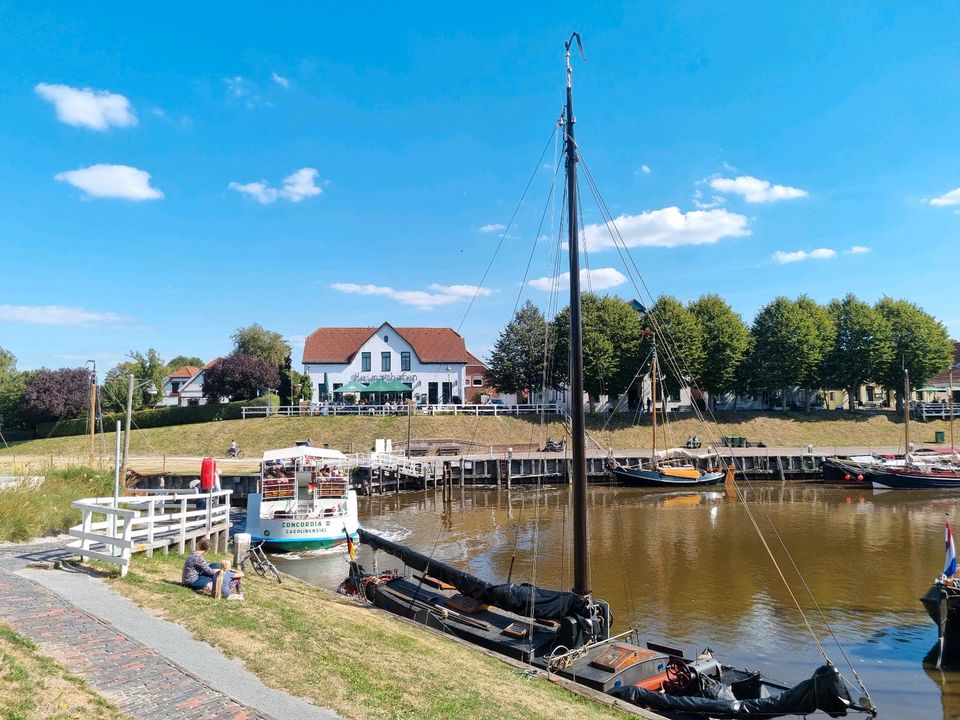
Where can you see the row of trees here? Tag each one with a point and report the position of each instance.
(260, 361)
(791, 343)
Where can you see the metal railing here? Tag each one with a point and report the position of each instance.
(313, 409)
(147, 521)
(933, 411)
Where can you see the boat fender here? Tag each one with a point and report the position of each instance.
(860, 478)
(208, 471)
(846, 476)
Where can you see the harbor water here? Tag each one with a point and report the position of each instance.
(689, 569)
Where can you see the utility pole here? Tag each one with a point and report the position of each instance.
(93, 405)
(126, 431)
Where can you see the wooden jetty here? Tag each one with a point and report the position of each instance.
(378, 473)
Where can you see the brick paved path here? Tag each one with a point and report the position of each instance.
(142, 683)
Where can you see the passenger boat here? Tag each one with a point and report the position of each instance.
(568, 633)
(303, 500)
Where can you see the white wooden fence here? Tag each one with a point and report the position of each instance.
(941, 410)
(251, 411)
(150, 520)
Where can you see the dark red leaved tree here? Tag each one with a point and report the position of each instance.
(57, 394)
(239, 377)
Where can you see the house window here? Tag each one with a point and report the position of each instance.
(870, 394)
(364, 362)
(385, 361)
(478, 382)
(386, 338)
(175, 386)
(404, 362)
(833, 395)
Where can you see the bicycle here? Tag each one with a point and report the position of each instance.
(260, 562)
(234, 454)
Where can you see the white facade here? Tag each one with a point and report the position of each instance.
(183, 391)
(387, 356)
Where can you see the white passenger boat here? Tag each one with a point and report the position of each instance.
(304, 500)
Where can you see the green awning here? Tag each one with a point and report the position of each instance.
(398, 387)
(351, 387)
(930, 388)
(378, 386)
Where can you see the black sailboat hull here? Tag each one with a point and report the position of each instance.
(942, 604)
(638, 477)
(915, 480)
(843, 472)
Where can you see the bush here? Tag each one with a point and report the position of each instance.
(160, 417)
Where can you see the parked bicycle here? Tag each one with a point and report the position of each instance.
(260, 563)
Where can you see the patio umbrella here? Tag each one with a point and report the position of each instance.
(378, 386)
(398, 387)
(351, 387)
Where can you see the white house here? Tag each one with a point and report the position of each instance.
(432, 362)
(184, 386)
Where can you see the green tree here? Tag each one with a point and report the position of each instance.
(516, 361)
(786, 347)
(148, 366)
(13, 383)
(863, 349)
(919, 343)
(826, 336)
(612, 337)
(258, 342)
(679, 340)
(184, 360)
(725, 341)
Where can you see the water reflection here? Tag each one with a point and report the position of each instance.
(689, 568)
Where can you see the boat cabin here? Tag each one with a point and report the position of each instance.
(303, 482)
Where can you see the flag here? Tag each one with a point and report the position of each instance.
(352, 552)
(950, 567)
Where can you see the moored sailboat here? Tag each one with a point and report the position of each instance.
(568, 633)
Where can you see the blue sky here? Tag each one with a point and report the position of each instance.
(168, 175)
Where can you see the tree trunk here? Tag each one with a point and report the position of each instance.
(900, 401)
(806, 398)
(852, 399)
(783, 400)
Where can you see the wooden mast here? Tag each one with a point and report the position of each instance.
(950, 396)
(653, 406)
(906, 410)
(578, 457)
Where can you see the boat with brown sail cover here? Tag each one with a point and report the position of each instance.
(568, 633)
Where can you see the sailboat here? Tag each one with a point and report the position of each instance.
(670, 473)
(568, 633)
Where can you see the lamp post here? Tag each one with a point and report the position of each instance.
(93, 403)
(449, 387)
(151, 390)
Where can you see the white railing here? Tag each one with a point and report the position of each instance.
(495, 409)
(144, 522)
(930, 411)
(395, 463)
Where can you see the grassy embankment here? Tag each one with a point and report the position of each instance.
(352, 433)
(34, 686)
(357, 660)
(28, 512)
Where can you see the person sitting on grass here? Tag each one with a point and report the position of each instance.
(197, 574)
(227, 583)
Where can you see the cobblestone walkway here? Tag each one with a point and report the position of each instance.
(142, 683)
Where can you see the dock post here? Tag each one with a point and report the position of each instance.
(780, 468)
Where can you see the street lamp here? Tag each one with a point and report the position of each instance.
(449, 387)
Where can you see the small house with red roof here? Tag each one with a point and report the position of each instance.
(432, 363)
(184, 386)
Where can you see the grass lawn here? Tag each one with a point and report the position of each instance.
(356, 660)
(357, 434)
(28, 512)
(33, 686)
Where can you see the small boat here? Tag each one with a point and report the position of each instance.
(927, 477)
(670, 474)
(942, 603)
(303, 500)
(666, 476)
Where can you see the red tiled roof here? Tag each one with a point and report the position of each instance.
(943, 377)
(187, 371)
(339, 345)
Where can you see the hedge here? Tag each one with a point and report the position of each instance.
(159, 417)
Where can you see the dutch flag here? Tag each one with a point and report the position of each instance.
(950, 567)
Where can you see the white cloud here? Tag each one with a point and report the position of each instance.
(280, 80)
(237, 85)
(669, 228)
(755, 190)
(950, 198)
(798, 255)
(858, 250)
(438, 295)
(493, 228)
(112, 181)
(296, 186)
(645, 169)
(86, 107)
(59, 315)
(599, 279)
